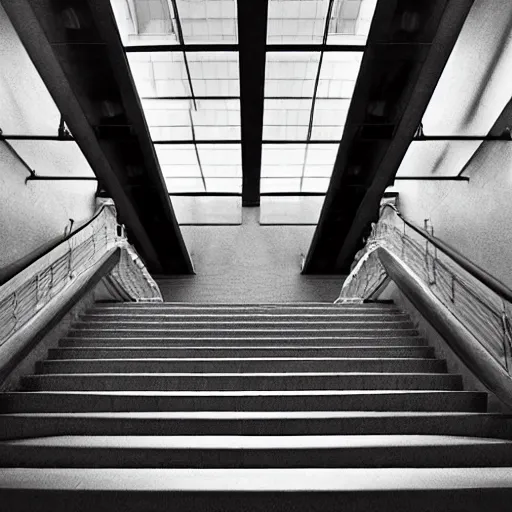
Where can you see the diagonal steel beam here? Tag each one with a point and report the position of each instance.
(408, 46)
(77, 50)
(252, 36)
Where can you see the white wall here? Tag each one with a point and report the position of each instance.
(474, 217)
(32, 215)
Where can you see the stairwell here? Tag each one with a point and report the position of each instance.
(300, 406)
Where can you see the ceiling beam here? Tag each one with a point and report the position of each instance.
(229, 47)
(252, 36)
(76, 48)
(408, 46)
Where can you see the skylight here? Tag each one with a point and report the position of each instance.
(191, 95)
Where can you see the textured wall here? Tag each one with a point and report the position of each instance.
(474, 217)
(32, 215)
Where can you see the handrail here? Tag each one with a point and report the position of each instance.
(472, 268)
(52, 246)
(18, 346)
(461, 340)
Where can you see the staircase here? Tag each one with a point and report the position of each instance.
(188, 407)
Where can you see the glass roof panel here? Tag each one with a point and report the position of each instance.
(178, 161)
(158, 74)
(221, 160)
(286, 185)
(153, 22)
(320, 160)
(296, 21)
(286, 119)
(176, 185)
(339, 74)
(291, 74)
(208, 21)
(304, 168)
(214, 73)
(319, 185)
(145, 22)
(179, 120)
(164, 74)
(229, 185)
(282, 160)
(350, 21)
(329, 119)
(221, 166)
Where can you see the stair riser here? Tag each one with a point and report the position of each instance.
(244, 317)
(240, 332)
(240, 326)
(437, 401)
(246, 308)
(478, 426)
(236, 342)
(375, 457)
(148, 382)
(121, 353)
(241, 366)
(424, 500)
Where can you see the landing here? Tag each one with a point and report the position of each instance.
(249, 264)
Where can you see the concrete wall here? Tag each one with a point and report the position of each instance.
(33, 214)
(474, 217)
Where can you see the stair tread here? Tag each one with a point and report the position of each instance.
(312, 392)
(248, 415)
(253, 442)
(334, 314)
(242, 359)
(180, 321)
(241, 375)
(182, 430)
(256, 480)
(286, 340)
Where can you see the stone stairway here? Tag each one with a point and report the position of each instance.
(187, 407)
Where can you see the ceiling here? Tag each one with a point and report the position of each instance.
(184, 56)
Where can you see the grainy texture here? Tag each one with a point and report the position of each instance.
(249, 264)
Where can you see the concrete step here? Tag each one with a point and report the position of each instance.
(242, 365)
(277, 307)
(320, 400)
(191, 352)
(240, 381)
(230, 317)
(352, 451)
(237, 342)
(241, 325)
(215, 332)
(233, 490)
(24, 425)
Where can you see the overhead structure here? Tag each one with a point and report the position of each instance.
(245, 98)
(408, 46)
(76, 48)
(252, 30)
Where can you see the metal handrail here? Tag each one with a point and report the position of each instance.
(477, 272)
(52, 246)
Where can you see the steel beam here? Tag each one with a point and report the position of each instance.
(77, 50)
(408, 46)
(252, 35)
